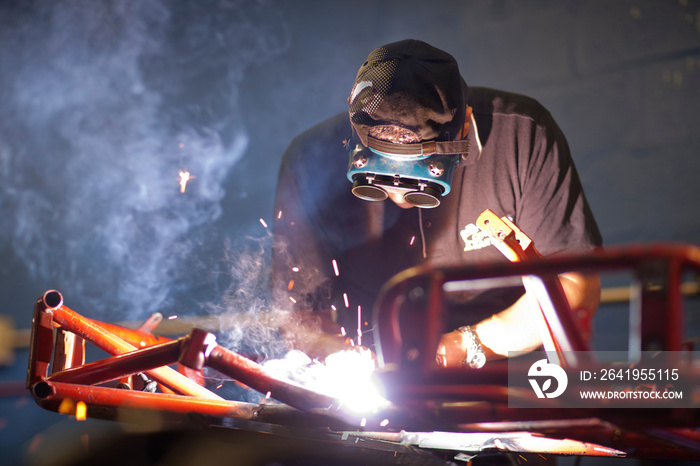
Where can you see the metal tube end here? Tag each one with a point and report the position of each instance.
(52, 299)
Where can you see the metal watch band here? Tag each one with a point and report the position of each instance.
(475, 357)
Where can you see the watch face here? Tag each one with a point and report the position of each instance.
(478, 361)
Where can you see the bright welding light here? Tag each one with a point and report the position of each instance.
(349, 377)
(346, 376)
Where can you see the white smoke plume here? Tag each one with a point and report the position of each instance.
(102, 103)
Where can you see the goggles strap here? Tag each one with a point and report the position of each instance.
(457, 146)
(420, 149)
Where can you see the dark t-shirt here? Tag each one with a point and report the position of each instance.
(518, 166)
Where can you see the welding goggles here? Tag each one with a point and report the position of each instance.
(420, 172)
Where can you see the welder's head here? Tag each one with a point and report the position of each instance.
(409, 115)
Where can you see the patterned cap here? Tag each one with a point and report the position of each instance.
(413, 86)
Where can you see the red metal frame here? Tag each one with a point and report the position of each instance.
(425, 398)
(57, 370)
(478, 399)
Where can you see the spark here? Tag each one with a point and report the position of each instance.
(345, 299)
(263, 223)
(342, 331)
(279, 215)
(413, 238)
(172, 317)
(181, 145)
(81, 411)
(292, 300)
(290, 285)
(295, 269)
(384, 423)
(333, 307)
(268, 395)
(359, 326)
(523, 457)
(184, 178)
(220, 385)
(363, 422)
(335, 268)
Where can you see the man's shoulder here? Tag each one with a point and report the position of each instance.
(331, 131)
(494, 102)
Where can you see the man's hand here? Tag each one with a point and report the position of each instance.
(452, 350)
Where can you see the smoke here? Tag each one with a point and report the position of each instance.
(101, 105)
(249, 318)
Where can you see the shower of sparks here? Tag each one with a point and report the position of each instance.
(263, 223)
(345, 299)
(335, 268)
(184, 178)
(413, 238)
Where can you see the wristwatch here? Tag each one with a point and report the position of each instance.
(475, 357)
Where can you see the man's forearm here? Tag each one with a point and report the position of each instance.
(517, 328)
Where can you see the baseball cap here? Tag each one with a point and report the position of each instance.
(413, 86)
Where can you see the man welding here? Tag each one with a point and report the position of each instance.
(441, 153)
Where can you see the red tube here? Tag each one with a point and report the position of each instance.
(112, 344)
(252, 374)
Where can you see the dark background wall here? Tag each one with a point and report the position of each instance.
(102, 103)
